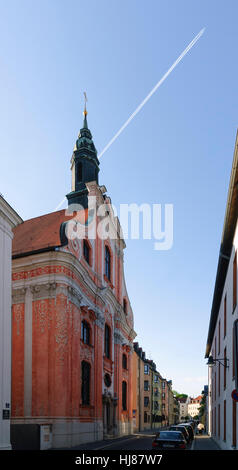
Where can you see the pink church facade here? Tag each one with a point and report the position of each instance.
(72, 330)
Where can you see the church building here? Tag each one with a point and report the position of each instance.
(72, 322)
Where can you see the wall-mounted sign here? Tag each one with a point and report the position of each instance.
(234, 395)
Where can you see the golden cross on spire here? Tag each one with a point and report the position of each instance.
(85, 101)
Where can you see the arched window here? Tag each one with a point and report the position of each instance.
(85, 390)
(85, 332)
(125, 306)
(124, 395)
(86, 251)
(124, 361)
(107, 263)
(107, 341)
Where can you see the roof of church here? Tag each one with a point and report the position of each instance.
(38, 234)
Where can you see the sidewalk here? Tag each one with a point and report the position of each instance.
(204, 442)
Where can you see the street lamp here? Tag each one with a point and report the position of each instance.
(211, 362)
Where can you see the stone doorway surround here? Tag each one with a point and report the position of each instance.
(110, 428)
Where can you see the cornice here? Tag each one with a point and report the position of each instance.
(65, 259)
(9, 214)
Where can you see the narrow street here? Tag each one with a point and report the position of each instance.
(143, 441)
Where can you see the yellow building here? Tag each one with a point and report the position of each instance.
(147, 392)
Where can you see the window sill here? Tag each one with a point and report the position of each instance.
(108, 359)
(107, 364)
(108, 281)
(85, 344)
(88, 263)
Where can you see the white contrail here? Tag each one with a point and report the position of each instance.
(191, 44)
(152, 91)
(60, 204)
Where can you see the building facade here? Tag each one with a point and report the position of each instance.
(73, 328)
(176, 410)
(168, 403)
(194, 406)
(156, 398)
(171, 412)
(204, 414)
(138, 363)
(164, 403)
(220, 350)
(147, 392)
(183, 407)
(8, 220)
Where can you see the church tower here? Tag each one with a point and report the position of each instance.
(84, 166)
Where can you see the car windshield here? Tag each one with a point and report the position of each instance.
(168, 435)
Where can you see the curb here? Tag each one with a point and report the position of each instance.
(193, 444)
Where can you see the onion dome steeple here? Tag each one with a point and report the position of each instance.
(84, 165)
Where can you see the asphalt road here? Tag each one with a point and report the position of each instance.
(134, 442)
(143, 441)
(138, 442)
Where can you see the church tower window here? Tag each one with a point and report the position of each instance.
(107, 263)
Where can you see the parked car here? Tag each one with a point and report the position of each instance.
(192, 423)
(189, 429)
(169, 440)
(181, 429)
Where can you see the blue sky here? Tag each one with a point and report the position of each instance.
(177, 150)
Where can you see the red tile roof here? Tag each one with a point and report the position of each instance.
(39, 233)
(197, 399)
